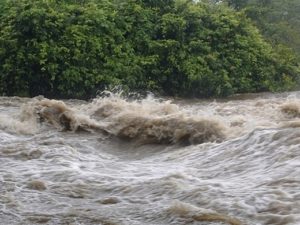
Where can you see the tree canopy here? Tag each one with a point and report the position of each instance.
(278, 20)
(75, 48)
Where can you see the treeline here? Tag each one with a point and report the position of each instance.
(278, 20)
(75, 48)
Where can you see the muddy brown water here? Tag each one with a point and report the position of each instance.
(115, 161)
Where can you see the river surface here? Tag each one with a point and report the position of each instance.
(118, 161)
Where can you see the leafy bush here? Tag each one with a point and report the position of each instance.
(175, 47)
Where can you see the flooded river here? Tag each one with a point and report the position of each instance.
(118, 161)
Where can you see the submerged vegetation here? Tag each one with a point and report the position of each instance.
(75, 48)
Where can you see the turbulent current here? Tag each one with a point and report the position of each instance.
(118, 161)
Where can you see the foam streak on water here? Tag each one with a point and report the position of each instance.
(152, 161)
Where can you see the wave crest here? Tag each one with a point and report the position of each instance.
(146, 122)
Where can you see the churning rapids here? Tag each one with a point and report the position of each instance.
(116, 161)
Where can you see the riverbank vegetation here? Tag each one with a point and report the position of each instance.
(278, 20)
(75, 48)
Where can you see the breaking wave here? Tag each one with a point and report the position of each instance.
(140, 122)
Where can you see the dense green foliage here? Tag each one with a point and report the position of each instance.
(278, 20)
(175, 47)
